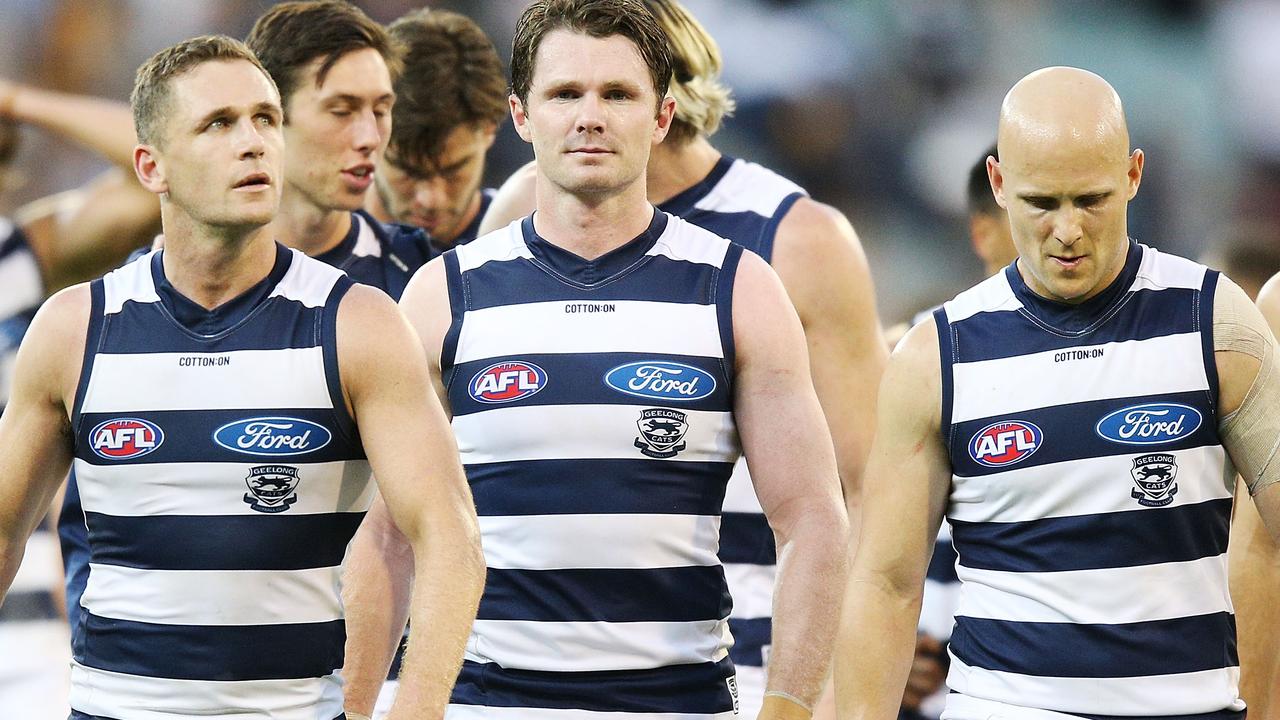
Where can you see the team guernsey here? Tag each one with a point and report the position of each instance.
(1090, 499)
(592, 406)
(21, 292)
(221, 478)
(745, 203)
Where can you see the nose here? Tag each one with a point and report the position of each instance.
(250, 140)
(366, 132)
(1067, 226)
(429, 193)
(590, 114)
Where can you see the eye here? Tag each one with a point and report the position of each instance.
(1088, 201)
(218, 124)
(340, 112)
(266, 120)
(566, 95)
(1042, 203)
(618, 95)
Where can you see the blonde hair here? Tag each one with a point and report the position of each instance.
(702, 101)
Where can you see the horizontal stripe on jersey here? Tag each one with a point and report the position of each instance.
(551, 487)
(605, 595)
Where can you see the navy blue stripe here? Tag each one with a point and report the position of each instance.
(1179, 533)
(218, 652)
(579, 379)
(1159, 647)
(945, 353)
(328, 332)
(189, 437)
(570, 487)
(1219, 715)
(725, 280)
(276, 323)
(942, 564)
(73, 537)
(699, 689)
(1208, 291)
(221, 542)
(457, 306)
(1069, 432)
(747, 229)
(678, 594)
(685, 203)
(655, 278)
(97, 306)
(1143, 315)
(750, 636)
(770, 230)
(13, 242)
(747, 539)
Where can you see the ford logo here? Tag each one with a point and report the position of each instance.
(1150, 424)
(661, 380)
(272, 436)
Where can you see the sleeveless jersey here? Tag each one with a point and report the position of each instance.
(1090, 499)
(592, 405)
(744, 202)
(21, 292)
(221, 479)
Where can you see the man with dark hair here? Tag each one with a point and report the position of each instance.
(988, 223)
(222, 489)
(601, 359)
(449, 101)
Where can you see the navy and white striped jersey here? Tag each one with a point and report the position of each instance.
(21, 292)
(592, 404)
(744, 202)
(221, 478)
(1090, 499)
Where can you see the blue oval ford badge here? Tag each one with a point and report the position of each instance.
(272, 436)
(1150, 424)
(661, 380)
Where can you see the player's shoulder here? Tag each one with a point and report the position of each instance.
(994, 294)
(683, 240)
(1161, 270)
(501, 245)
(746, 186)
(391, 237)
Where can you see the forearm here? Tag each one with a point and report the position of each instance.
(450, 570)
(103, 126)
(376, 591)
(1254, 563)
(873, 649)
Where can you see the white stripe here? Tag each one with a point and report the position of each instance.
(558, 432)
(99, 692)
(214, 597)
(1185, 589)
(1082, 487)
(367, 244)
(497, 246)
(629, 541)
(685, 241)
(1180, 694)
(217, 488)
(133, 282)
(748, 187)
(1159, 271)
(740, 493)
(307, 281)
(990, 295)
(482, 712)
(634, 326)
(289, 378)
(751, 587)
(587, 646)
(20, 278)
(981, 388)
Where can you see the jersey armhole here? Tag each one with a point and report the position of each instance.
(723, 299)
(946, 354)
(457, 308)
(92, 341)
(332, 371)
(770, 230)
(1207, 290)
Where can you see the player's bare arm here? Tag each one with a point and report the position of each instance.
(904, 495)
(515, 199)
(406, 436)
(794, 471)
(36, 444)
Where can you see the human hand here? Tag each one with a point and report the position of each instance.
(927, 672)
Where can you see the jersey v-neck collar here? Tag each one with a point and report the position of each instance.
(1078, 317)
(588, 273)
(196, 319)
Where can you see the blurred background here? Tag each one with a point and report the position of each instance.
(878, 107)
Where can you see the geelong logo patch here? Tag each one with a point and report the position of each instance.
(272, 436)
(125, 438)
(1005, 443)
(507, 382)
(1149, 424)
(661, 380)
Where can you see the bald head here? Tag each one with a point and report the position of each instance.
(1060, 110)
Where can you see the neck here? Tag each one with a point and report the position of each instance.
(676, 168)
(305, 226)
(211, 265)
(591, 225)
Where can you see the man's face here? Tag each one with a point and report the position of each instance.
(222, 151)
(1067, 203)
(441, 196)
(592, 113)
(337, 131)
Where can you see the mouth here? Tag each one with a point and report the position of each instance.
(1068, 263)
(358, 177)
(590, 150)
(256, 181)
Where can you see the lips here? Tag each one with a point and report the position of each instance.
(358, 177)
(254, 181)
(1069, 263)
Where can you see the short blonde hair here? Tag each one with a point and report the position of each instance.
(702, 101)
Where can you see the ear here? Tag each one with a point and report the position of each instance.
(149, 167)
(1136, 161)
(996, 178)
(519, 118)
(666, 115)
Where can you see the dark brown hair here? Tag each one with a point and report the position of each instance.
(151, 86)
(597, 18)
(452, 77)
(291, 35)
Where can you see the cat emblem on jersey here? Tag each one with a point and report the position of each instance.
(661, 432)
(271, 488)
(1154, 475)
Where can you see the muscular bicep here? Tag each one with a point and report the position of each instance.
(515, 199)
(425, 304)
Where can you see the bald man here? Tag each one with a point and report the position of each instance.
(1072, 416)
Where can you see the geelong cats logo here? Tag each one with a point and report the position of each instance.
(271, 488)
(661, 432)
(1154, 475)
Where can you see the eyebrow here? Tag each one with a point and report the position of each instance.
(350, 99)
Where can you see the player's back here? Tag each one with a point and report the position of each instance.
(221, 479)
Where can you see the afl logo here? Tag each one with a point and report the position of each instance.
(660, 380)
(1150, 424)
(1005, 443)
(507, 382)
(272, 436)
(125, 438)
